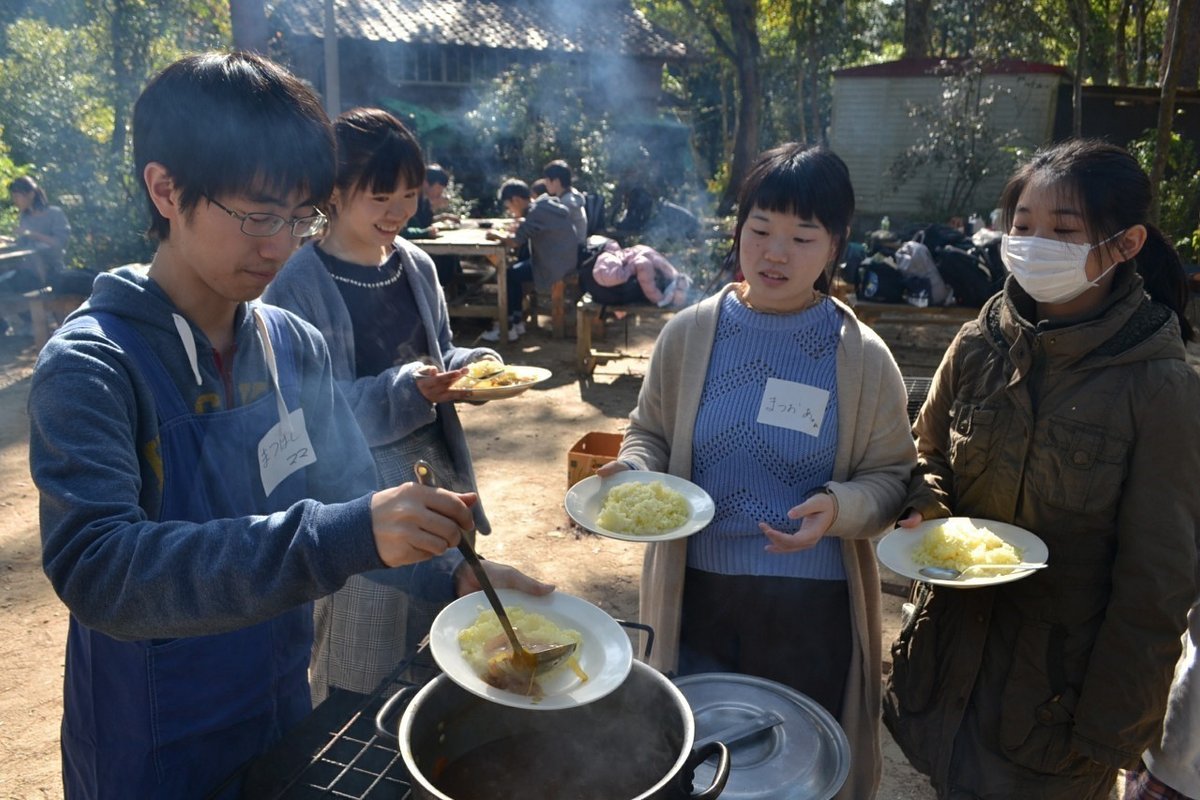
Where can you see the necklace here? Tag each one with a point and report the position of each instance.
(388, 280)
(743, 288)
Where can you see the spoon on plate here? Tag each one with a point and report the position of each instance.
(532, 660)
(482, 376)
(952, 574)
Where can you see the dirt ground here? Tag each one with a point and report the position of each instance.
(520, 447)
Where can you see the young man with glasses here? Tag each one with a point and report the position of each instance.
(201, 478)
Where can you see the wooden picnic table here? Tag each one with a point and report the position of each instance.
(11, 252)
(45, 308)
(14, 256)
(472, 241)
(12, 304)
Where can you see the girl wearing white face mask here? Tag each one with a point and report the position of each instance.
(1067, 408)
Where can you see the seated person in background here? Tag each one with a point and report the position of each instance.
(436, 182)
(434, 206)
(41, 227)
(554, 250)
(646, 267)
(671, 222)
(639, 207)
(536, 190)
(557, 176)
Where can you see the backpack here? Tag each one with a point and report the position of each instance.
(885, 242)
(937, 236)
(879, 282)
(627, 293)
(73, 281)
(593, 247)
(915, 261)
(968, 275)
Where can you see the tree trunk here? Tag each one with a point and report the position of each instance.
(816, 127)
(802, 66)
(128, 61)
(1079, 14)
(1189, 44)
(1142, 9)
(1122, 45)
(249, 21)
(743, 26)
(1168, 48)
(1181, 17)
(918, 35)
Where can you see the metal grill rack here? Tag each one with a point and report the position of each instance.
(335, 753)
(917, 388)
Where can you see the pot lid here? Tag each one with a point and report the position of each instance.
(804, 757)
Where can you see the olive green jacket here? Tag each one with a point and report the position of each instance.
(1088, 435)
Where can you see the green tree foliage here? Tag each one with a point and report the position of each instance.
(69, 74)
(8, 171)
(1179, 192)
(801, 43)
(532, 115)
(1049, 31)
(804, 41)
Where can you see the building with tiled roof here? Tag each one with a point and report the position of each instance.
(431, 61)
(431, 52)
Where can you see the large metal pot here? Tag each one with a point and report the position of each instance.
(634, 743)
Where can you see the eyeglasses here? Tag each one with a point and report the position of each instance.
(260, 223)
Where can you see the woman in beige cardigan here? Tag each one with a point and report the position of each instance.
(777, 401)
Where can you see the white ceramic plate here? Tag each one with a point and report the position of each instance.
(605, 656)
(533, 376)
(584, 500)
(895, 551)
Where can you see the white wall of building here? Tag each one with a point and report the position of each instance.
(871, 128)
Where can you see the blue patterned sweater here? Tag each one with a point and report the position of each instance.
(743, 452)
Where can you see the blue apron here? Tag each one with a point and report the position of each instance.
(172, 718)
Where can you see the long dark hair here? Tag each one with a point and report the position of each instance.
(1115, 193)
(27, 185)
(375, 152)
(810, 182)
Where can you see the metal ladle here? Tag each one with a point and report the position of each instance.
(534, 659)
(951, 574)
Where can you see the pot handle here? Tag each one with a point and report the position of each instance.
(720, 777)
(646, 629)
(385, 712)
(759, 722)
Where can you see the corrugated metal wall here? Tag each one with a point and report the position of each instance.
(871, 128)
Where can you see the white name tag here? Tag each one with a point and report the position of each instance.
(795, 406)
(285, 449)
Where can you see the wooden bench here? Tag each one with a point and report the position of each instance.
(589, 318)
(558, 304)
(870, 313)
(46, 310)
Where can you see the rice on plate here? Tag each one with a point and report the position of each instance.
(643, 508)
(482, 641)
(958, 544)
